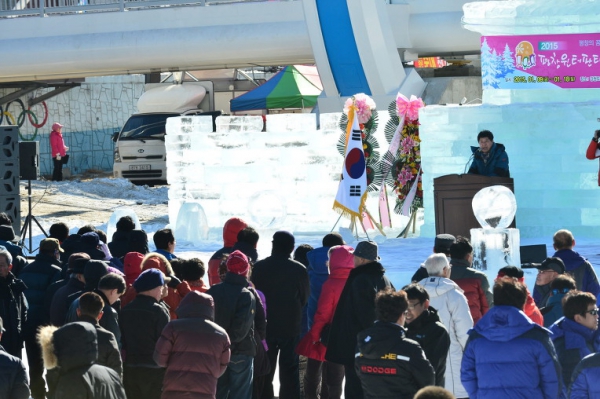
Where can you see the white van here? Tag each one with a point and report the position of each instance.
(139, 153)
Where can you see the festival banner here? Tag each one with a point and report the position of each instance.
(565, 61)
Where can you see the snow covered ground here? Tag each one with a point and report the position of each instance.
(400, 256)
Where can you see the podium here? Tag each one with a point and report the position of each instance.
(453, 196)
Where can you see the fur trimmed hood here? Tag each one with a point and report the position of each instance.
(155, 260)
(70, 346)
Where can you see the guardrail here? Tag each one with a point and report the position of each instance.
(42, 8)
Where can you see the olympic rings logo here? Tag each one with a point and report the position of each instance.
(20, 121)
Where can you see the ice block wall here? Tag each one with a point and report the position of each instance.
(555, 185)
(286, 177)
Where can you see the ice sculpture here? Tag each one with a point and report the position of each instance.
(495, 245)
(267, 209)
(192, 225)
(114, 218)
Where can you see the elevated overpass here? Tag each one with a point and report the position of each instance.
(59, 39)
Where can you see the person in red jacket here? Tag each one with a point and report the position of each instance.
(230, 231)
(132, 266)
(593, 150)
(530, 308)
(59, 151)
(177, 289)
(194, 350)
(341, 262)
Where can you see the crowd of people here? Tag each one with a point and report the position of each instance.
(111, 319)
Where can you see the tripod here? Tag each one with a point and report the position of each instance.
(27, 225)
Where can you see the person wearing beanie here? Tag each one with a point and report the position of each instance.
(231, 228)
(319, 373)
(176, 289)
(285, 284)
(530, 308)
(355, 312)
(235, 306)
(38, 276)
(72, 352)
(142, 322)
(59, 151)
(58, 293)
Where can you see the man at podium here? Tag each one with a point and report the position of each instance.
(489, 159)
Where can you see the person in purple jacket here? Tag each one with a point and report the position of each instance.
(576, 265)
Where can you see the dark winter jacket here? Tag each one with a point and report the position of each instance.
(496, 164)
(390, 365)
(59, 304)
(194, 350)
(119, 244)
(553, 310)
(585, 379)
(13, 310)
(581, 270)
(573, 342)
(108, 350)
(18, 262)
(38, 276)
(74, 350)
(509, 356)
(318, 272)
(14, 381)
(475, 286)
(284, 282)
(142, 322)
(419, 275)
(231, 228)
(235, 307)
(430, 333)
(355, 311)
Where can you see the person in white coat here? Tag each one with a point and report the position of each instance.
(453, 309)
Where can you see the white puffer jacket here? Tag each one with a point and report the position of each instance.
(453, 309)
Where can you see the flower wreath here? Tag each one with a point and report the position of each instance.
(404, 170)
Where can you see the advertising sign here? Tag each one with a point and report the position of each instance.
(566, 61)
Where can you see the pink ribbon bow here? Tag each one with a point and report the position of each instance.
(408, 108)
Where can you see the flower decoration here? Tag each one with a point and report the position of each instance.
(364, 106)
(408, 108)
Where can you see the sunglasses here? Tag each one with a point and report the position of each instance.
(593, 312)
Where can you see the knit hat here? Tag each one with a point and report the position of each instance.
(90, 239)
(7, 233)
(367, 250)
(237, 263)
(93, 271)
(284, 241)
(149, 280)
(50, 244)
(443, 242)
(56, 126)
(77, 262)
(511, 271)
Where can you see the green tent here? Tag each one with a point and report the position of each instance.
(295, 86)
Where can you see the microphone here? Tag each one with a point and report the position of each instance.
(468, 162)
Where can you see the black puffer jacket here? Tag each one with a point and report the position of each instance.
(14, 383)
(119, 244)
(108, 350)
(390, 365)
(235, 307)
(142, 322)
(284, 282)
(13, 310)
(355, 311)
(430, 333)
(73, 348)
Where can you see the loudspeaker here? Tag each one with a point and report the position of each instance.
(9, 178)
(9, 139)
(11, 205)
(29, 157)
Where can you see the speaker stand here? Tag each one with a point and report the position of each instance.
(27, 225)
